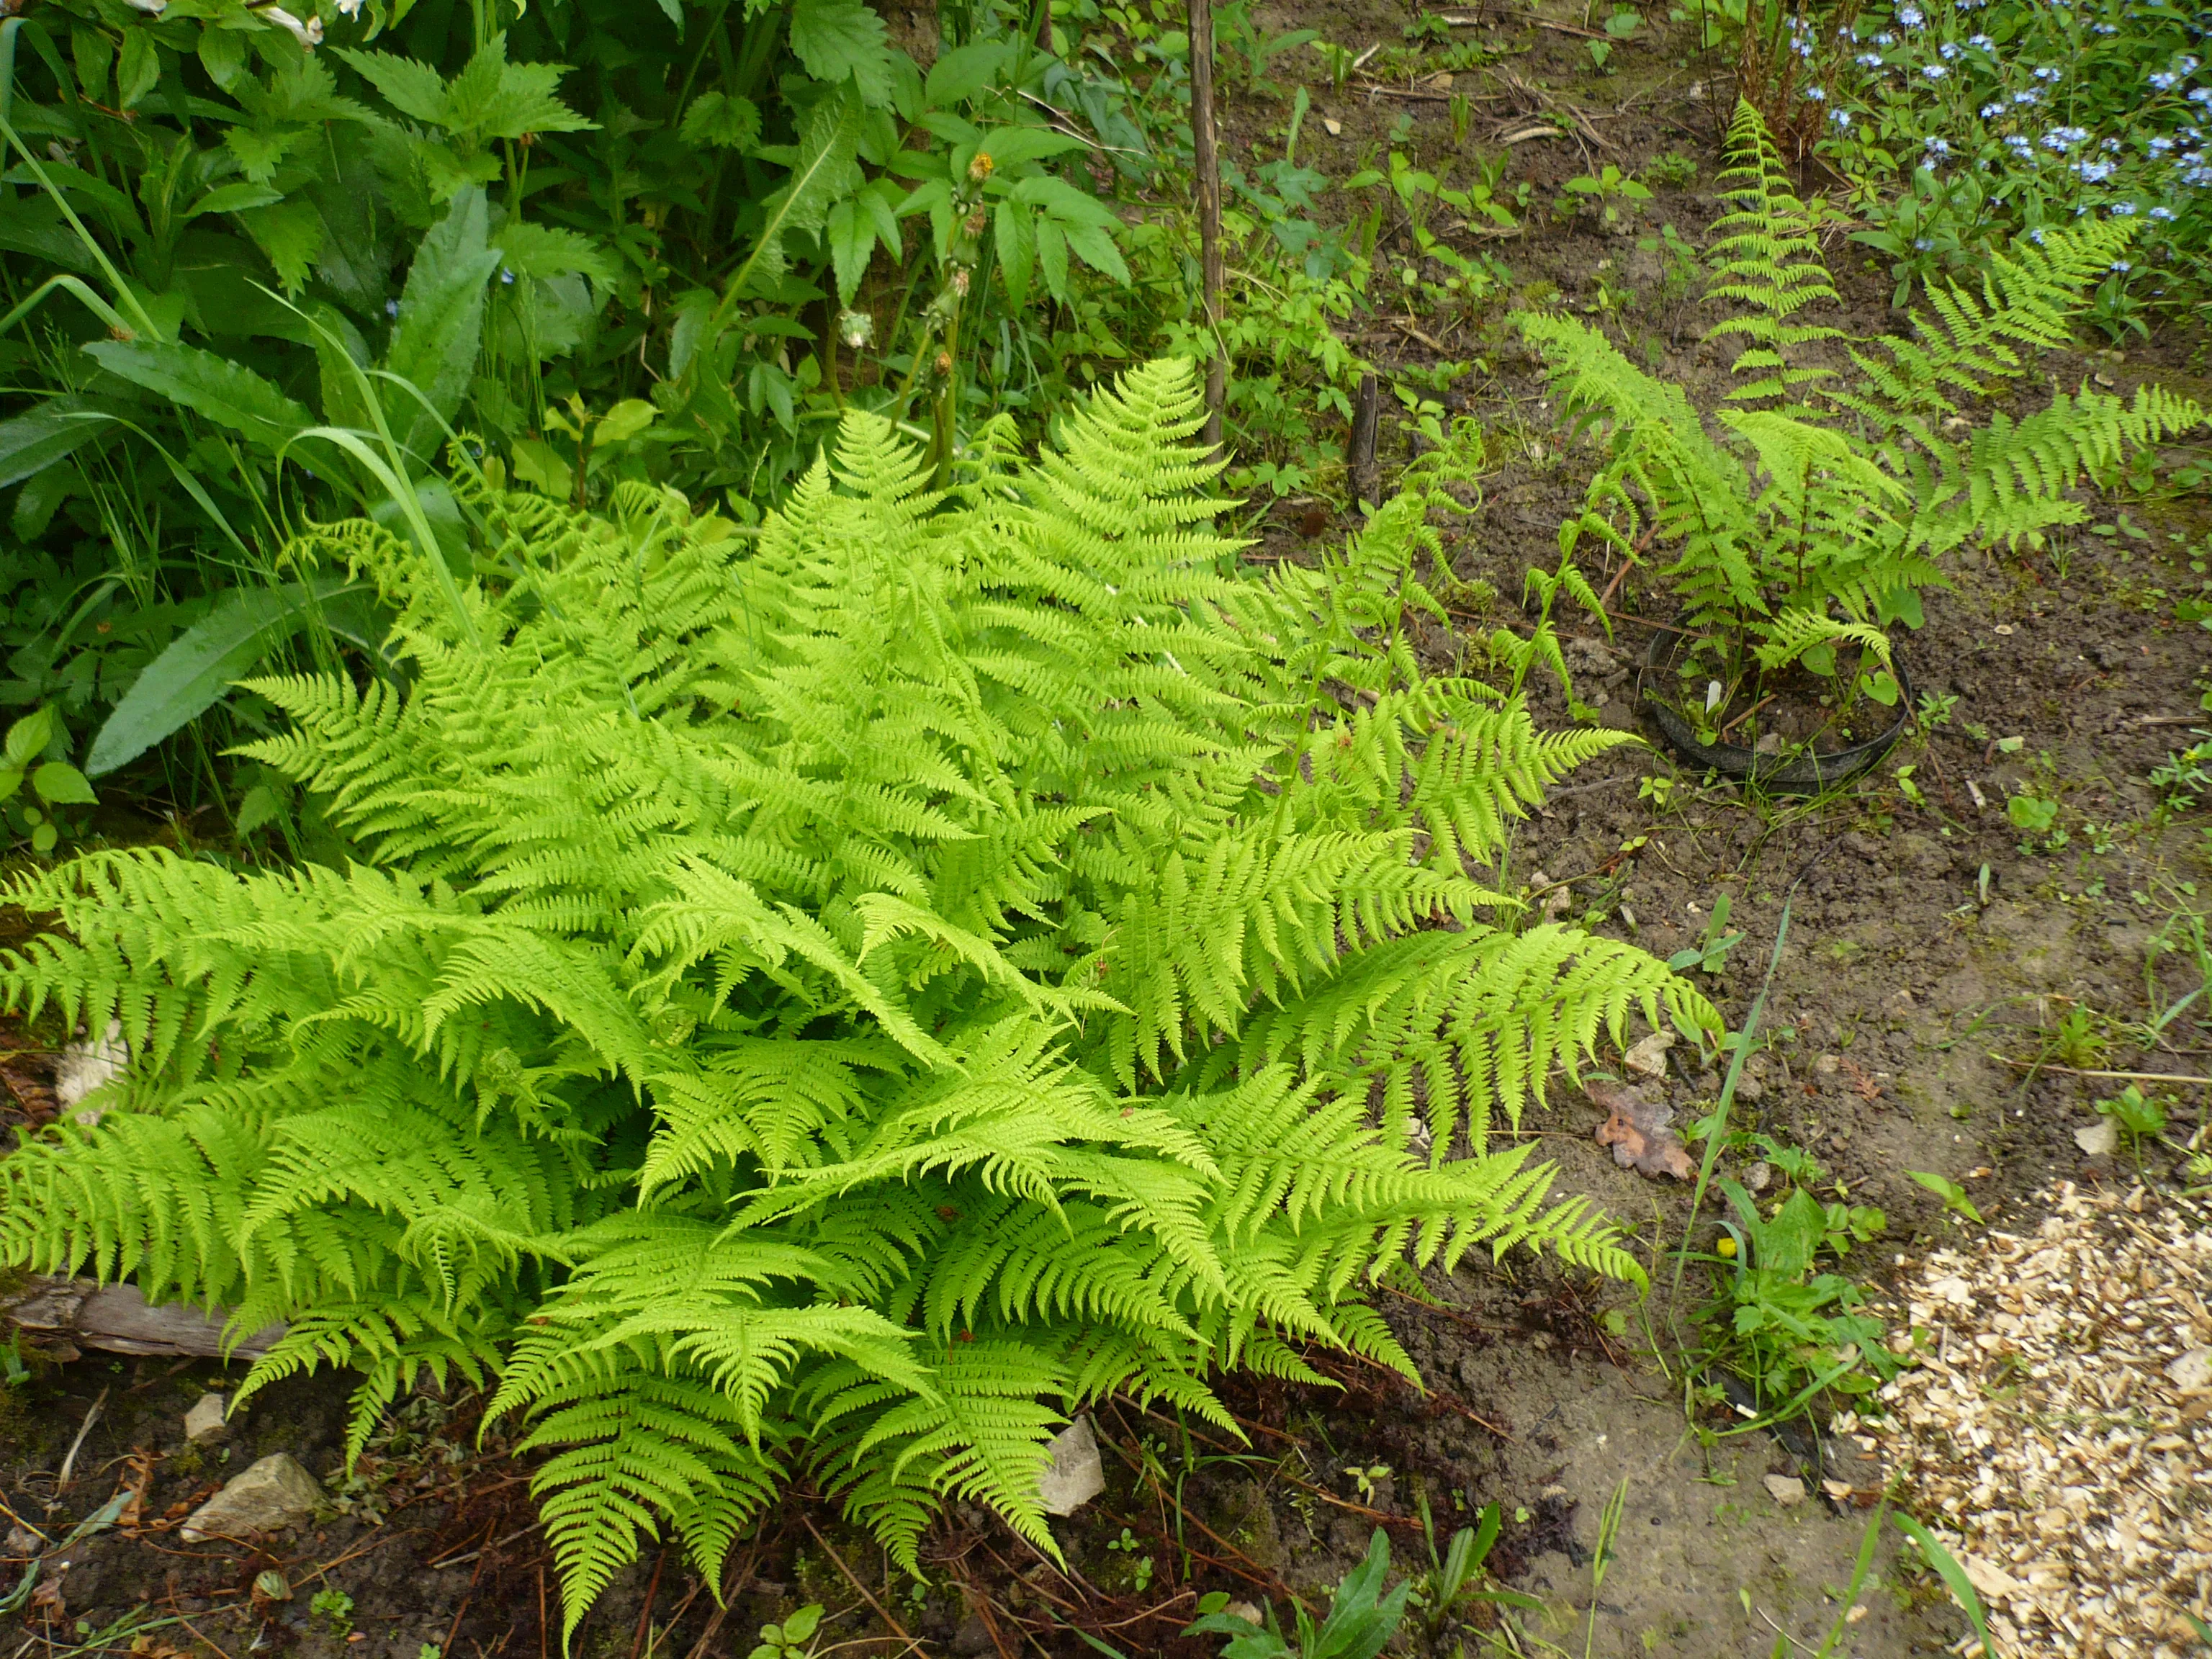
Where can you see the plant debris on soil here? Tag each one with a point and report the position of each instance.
(2062, 1423)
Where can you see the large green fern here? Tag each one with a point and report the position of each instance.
(826, 1003)
(1795, 527)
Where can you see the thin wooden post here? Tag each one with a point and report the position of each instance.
(1207, 163)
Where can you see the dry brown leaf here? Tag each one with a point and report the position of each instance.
(1636, 1130)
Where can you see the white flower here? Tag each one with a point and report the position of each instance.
(151, 8)
(309, 34)
(349, 8)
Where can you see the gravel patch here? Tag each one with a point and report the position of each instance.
(2059, 1434)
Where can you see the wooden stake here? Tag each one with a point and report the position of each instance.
(1207, 163)
(1359, 463)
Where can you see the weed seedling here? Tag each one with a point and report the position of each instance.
(1709, 954)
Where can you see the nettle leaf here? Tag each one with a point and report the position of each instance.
(413, 89)
(234, 199)
(837, 39)
(721, 121)
(291, 233)
(542, 250)
(210, 384)
(260, 153)
(494, 99)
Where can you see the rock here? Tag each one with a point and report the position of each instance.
(1248, 1611)
(1649, 1056)
(273, 1494)
(1827, 1066)
(1758, 1177)
(204, 1423)
(1750, 1089)
(2192, 1372)
(87, 1067)
(1075, 1476)
(1787, 1490)
(2098, 1139)
(973, 1637)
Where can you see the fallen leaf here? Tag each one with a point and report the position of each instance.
(1649, 1055)
(1333, 127)
(1995, 1583)
(1636, 1130)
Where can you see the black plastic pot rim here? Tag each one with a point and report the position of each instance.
(1798, 774)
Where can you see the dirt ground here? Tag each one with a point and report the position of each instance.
(1929, 956)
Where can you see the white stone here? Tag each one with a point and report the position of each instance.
(2100, 1138)
(205, 1421)
(1787, 1489)
(87, 1067)
(1075, 1475)
(1649, 1056)
(272, 1495)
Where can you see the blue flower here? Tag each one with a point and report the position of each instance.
(2123, 209)
(2164, 215)
(1991, 112)
(1934, 146)
(1934, 71)
(2122, 266)
(2102, 28)
(2186, 65)
(1868, 60)
(2048, 72)
(1909, 16)
(1949, 51)
(2036, 235)
(2200, 94)
(1924, 244)
(1842, 118)
(1885, 39)
(505, 277)
(392, 307)
(1818, 94)
(2165, 80)
(1982, 43)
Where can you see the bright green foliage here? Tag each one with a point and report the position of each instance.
(1799, 527)
(829, 1002)
(1765, 256)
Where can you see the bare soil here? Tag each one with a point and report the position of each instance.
(1929, 956)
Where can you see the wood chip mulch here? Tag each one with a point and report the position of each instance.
(2060, 1431)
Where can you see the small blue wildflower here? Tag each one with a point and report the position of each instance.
(2123, 209)
(2048, 72)
(1934, 71)
(2186, 65)
(2122, 266)
(1924, 244)
(1868, 60)
(2102, 28)
(1936, 146)
(2200, 94)
(505, 277)
(1885, 39)
(392, 307)
(2165, 80)
(1949, 51)
(1818, 94)
(1909, 16)
(1991, 112)
(1842, 118)
(2163, 214)
(2036, 235)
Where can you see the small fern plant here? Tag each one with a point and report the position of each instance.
(822, 1005)
(1825, 501)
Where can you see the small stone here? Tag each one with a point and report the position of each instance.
(973, 1636)
(1827, 1066)
(273, 1494)
(85, 1067)
(1249, 1611)
(1649, 1055)
(1756, 1178)
(2098, 1139)
(1075, 1475)
(1787, 1490)
(1750, 1089)
(2192, 1372)
(1332, 126)
(204, 1423)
